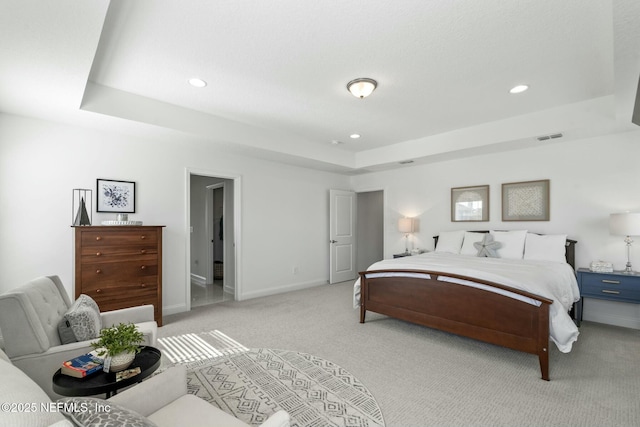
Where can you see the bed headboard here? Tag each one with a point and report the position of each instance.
(570, 248)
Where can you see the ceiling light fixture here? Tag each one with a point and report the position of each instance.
(362, 87)
(196, 82)
(354, 136)
(519, 89)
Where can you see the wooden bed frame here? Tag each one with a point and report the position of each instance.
(464, 310)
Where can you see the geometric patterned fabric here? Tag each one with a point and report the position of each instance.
(256, 383)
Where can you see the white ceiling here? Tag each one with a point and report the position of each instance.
(277, 73)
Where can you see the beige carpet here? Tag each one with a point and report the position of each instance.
(422, 377)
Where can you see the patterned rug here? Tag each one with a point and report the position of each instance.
(254, 384)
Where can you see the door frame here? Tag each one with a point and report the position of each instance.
(210, 229)
(237, 229)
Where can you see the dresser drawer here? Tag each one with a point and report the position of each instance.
(613, 287)
(112, 254)
(119, 238)
(108, 272)
(117, 297)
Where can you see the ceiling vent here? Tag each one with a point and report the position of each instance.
(552, 136)
(405, 162)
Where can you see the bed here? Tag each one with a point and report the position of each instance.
(521, 304)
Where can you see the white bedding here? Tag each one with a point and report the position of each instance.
(553, 280)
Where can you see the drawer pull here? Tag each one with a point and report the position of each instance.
(98, 253)
(143, 237)
(142, 267)
(98, 238)
(142, 285)
(613, 282)
(98, 271)
(143, 251)
(606, 291)
(98, 291)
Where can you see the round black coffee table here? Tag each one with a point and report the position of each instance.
(148, 360)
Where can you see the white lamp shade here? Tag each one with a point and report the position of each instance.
(405, 225)
(624, 224)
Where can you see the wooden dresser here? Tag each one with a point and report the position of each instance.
(120, 266)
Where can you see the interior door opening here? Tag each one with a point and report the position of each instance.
(212, 260)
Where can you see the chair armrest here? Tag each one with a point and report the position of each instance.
(154, 393)
(279, 419)
(40, 367)
(139, 314)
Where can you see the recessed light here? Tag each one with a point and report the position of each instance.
(196, 82)
(354, 136)
(519, 89)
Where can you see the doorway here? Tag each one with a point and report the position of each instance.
(212, 249)
(369, 228)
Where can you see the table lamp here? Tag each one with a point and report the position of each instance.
(405, 225)
(625, 224)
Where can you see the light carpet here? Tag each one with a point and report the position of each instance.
(256, 383)
(194, 349)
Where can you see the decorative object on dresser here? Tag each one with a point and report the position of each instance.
(80, 198)
(406, 226)
(116, 196)
(625, 224)
(120, 267)
(616, 286)
(601, 267)
(470, 203)
(525, 201)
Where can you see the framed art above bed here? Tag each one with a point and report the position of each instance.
(525, 201)
(470, 203)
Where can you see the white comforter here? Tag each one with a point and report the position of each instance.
(552, 280)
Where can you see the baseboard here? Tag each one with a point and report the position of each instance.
(613, 313)
(173, 309)
(281, 289)
(198, 280)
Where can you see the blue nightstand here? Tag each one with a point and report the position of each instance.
(616, 286)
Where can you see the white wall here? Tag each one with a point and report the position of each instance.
(590, 179)
(284, 209)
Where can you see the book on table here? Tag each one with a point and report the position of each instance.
(81, 366)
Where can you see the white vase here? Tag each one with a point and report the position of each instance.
(121, 361)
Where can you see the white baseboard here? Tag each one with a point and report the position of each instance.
(622, 314)
(198, 280)
(281, 289)
(173, 309)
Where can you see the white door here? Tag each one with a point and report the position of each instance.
(342, 239)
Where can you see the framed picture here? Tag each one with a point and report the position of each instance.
(470, 203)
(116, 196)
(525, 201)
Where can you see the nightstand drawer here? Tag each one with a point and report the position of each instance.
(609, 286)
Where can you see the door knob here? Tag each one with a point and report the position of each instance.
(333, 241)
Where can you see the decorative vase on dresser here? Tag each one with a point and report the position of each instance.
(120, 266)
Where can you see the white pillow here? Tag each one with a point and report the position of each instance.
(545, 248)
(467, 244)
(450, 241)
(512, 243)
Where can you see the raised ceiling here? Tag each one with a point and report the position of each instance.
(276, 73)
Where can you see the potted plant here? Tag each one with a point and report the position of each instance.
(120, 343)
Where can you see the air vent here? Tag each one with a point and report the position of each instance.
(552, 136)
(405, 162)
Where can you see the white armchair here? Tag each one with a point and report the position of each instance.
(29, 317)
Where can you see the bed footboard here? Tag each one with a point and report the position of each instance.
(511, 318)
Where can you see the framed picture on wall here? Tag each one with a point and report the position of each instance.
(470, 203)
(116, 196)
(525, 201)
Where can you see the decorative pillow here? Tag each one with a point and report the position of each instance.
(512, 243)
(450, 241)
(469, 239)
(93, 412)
(81, 322)
(545, 248)
(487, 247)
